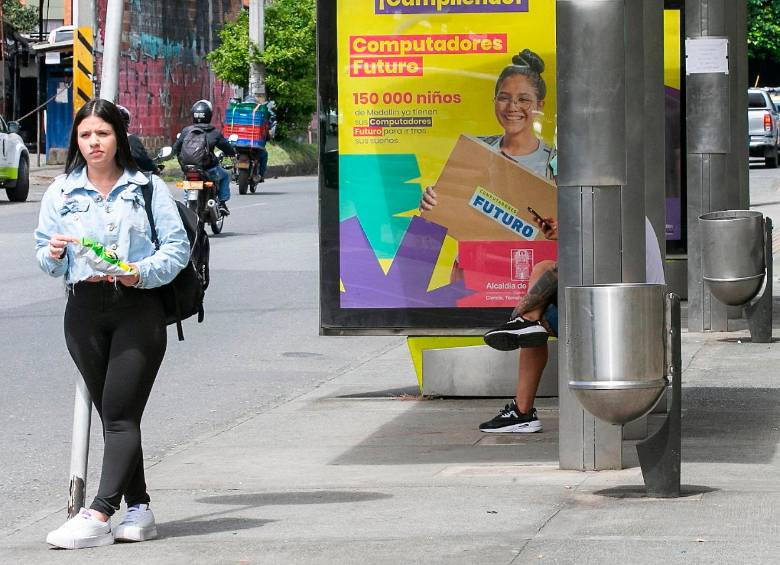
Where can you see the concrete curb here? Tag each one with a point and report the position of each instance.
(291, 170)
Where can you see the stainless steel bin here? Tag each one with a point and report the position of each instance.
(615, 335)
(733, 254)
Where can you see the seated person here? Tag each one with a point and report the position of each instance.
(534, 319)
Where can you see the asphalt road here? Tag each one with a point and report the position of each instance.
(258, 346)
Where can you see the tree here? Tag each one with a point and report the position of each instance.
(230, 61)
(23, 18)
(763, 35)
(289, 58)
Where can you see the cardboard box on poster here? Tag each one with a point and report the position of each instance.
(483, 195)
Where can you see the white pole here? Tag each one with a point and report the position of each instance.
(257, 36)
(82, 407)
(79, 450)
(109, 81)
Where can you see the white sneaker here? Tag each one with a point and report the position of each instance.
(137, 525)
(83, 530)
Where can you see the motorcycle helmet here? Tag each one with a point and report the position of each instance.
(125, 115)
(201, 112)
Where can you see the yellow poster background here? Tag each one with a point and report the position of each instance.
(471, 77)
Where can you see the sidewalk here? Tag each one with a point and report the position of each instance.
(43, 174)
(360, 471)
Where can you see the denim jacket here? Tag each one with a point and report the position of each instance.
(73, 206)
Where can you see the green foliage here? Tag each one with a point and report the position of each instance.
(290, 152)
(289, 58)
(230, 61)
(763, 29)
(23, 18)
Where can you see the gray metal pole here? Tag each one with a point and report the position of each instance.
(257, 37)
(716, 166)
(592, 172)
(653, 129)
(602, 178)
(109, 80)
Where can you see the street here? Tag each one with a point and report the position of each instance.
(765, 198)
(257, 347)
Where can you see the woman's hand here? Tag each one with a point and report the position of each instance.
(57, 244)
(130, 280)
(549, 227)
(428, 200)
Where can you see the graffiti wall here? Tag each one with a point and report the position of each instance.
(163, 68)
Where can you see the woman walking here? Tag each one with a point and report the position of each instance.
(115, 326)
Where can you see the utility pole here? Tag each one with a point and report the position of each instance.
(82, 409)
(257, 38)
(109, 81)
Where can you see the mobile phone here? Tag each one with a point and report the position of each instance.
(538, 217)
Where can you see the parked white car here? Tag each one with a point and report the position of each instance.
(14, 162)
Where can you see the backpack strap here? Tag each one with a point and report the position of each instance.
(147, 190)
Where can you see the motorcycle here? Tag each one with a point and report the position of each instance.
(201, 192)
(248, 165)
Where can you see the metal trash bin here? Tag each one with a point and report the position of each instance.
(733, 263)
(615, 337)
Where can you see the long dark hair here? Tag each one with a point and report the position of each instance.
(529, 64)
(109, 113)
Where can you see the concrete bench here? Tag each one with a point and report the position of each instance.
(465, 366)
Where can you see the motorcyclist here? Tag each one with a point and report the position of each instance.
(262, 158)
(142, 159)
(201, 119)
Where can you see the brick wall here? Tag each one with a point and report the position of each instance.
(163, 68)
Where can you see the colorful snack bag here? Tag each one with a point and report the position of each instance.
(102, 259)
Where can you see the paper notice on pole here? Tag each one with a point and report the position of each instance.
(707, 55)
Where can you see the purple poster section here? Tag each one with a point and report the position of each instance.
(673, 165)
(406, 283)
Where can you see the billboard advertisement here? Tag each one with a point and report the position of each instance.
(457, 96)
(675, 225)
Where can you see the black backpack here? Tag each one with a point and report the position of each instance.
(195, 149)
(183, 297)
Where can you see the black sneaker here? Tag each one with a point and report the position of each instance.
(511, 420)
(517, 333)
(224, 209)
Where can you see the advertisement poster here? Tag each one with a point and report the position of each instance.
(419, 105)
(672, 86)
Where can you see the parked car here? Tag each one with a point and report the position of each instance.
(764, 124)
(14, 162)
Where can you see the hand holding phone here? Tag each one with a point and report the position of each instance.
(539, 218)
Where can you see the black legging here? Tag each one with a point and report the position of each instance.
(117, 337)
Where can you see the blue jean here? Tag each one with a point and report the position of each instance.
(263, 162)
(223, 177)
(551, 315)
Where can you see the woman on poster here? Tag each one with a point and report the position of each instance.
(518, 98)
